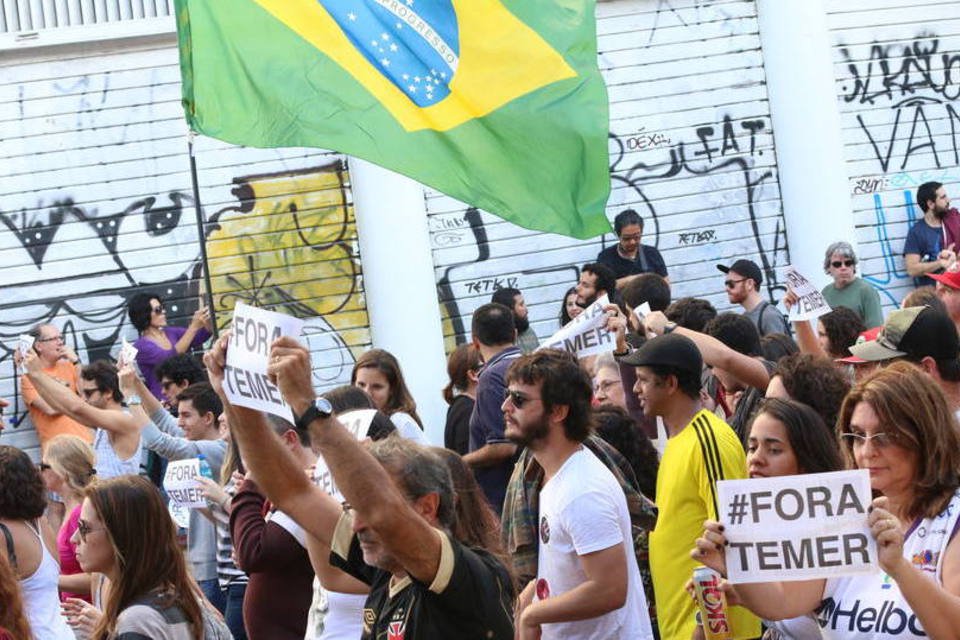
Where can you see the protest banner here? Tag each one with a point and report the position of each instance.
(180, 483)
(245, 378)
(584, 335)
(356, 422)
(797, 527)
(812, 304)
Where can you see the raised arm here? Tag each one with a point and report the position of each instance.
(363, 481)
(716, 354)
(276, 470)
(200, 320)
(68, 403)
(806, 336)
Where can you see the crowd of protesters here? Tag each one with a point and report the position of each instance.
(572, 498)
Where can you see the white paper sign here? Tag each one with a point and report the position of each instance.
(128, 354)
(245, 376)
(180, 483)
(797, 527)
(812, 304)
(356, 422)
(24, 344)
(585, 335)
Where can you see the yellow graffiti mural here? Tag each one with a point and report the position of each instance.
(290, 246)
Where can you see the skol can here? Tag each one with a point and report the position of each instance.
(713, 604)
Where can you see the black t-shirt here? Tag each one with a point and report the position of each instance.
(647, 256)
(471, 596)
(456, 433)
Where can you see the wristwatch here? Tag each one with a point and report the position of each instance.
(669, 327)
(133, 399)
(321, 408)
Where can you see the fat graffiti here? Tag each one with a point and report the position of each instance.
(719, 148)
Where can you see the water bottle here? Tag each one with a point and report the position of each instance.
(205, 469)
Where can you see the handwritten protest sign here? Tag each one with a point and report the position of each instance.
(812, 304)
(128, 354)
(180, 483)
(245, 378)
(585, 335)
(797, 527)
(356, 422)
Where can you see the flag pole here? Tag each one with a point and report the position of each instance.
(205, 264)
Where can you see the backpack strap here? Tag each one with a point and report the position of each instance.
(11, 552)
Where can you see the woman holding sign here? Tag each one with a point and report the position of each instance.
(897, 425)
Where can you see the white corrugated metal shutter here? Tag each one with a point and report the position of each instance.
(897, 69)
(96, 203)
(691, 150)
(34, 15)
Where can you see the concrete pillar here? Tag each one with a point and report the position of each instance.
(399, 284)
(806, 129)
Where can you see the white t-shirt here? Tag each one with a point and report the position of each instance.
(583, 510)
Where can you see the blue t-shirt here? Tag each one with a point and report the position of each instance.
(927, 242)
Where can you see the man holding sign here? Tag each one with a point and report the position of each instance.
(892, 425)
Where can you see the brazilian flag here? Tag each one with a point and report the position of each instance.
(498, 103)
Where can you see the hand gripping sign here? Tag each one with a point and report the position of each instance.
(584, 335)
(245, 378)
(812, 304)
(797, 527)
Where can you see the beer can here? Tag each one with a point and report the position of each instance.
(713, 604)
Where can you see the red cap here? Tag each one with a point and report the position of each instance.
(865, 336)
(947, 278)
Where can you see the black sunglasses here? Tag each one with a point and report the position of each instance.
(516, 398)
(43, 466)
(836, 264)
(88, 393)
(158, 309)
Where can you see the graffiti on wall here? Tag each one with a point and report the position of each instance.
(903, 97)
(289, 246)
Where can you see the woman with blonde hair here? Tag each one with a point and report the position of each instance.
(67, 468)
(125, 532)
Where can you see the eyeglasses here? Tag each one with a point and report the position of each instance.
(85, 529)
(517, 398)
(166, 384)
(159, 310)
(53, 339)
(730, 284)
(605, 385)
(88, 393)
(836, 264)
(631, 236)
(880, 440)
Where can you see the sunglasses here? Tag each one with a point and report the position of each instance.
(85, 529)
(159, 310)
(43, 466)
(517, 398)
(730, 284)
(88, 393)
(836, 264)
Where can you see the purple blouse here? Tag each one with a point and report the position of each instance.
(150, 354)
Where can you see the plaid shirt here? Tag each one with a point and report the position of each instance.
(521, 509)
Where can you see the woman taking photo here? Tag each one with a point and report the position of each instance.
(157, 341)
(28, 544)
(125, 532)
(378, 373)
(67, 469)
(897, 424)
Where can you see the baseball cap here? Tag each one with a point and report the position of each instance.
(865, 336)
(917, 332)
(670, 350)
(745, 268)
(948, 278)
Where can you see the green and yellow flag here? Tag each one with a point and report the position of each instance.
(498, 103)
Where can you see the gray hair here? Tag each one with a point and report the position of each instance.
(842, 247)
(418, 471)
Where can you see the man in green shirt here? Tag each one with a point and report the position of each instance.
(847, 290)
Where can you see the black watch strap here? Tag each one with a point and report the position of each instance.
(312, 413)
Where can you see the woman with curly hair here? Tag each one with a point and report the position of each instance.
(67, 469)
(29, 544)
(13, 620)
(125, 532)
(838, 331)
(378, 373)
